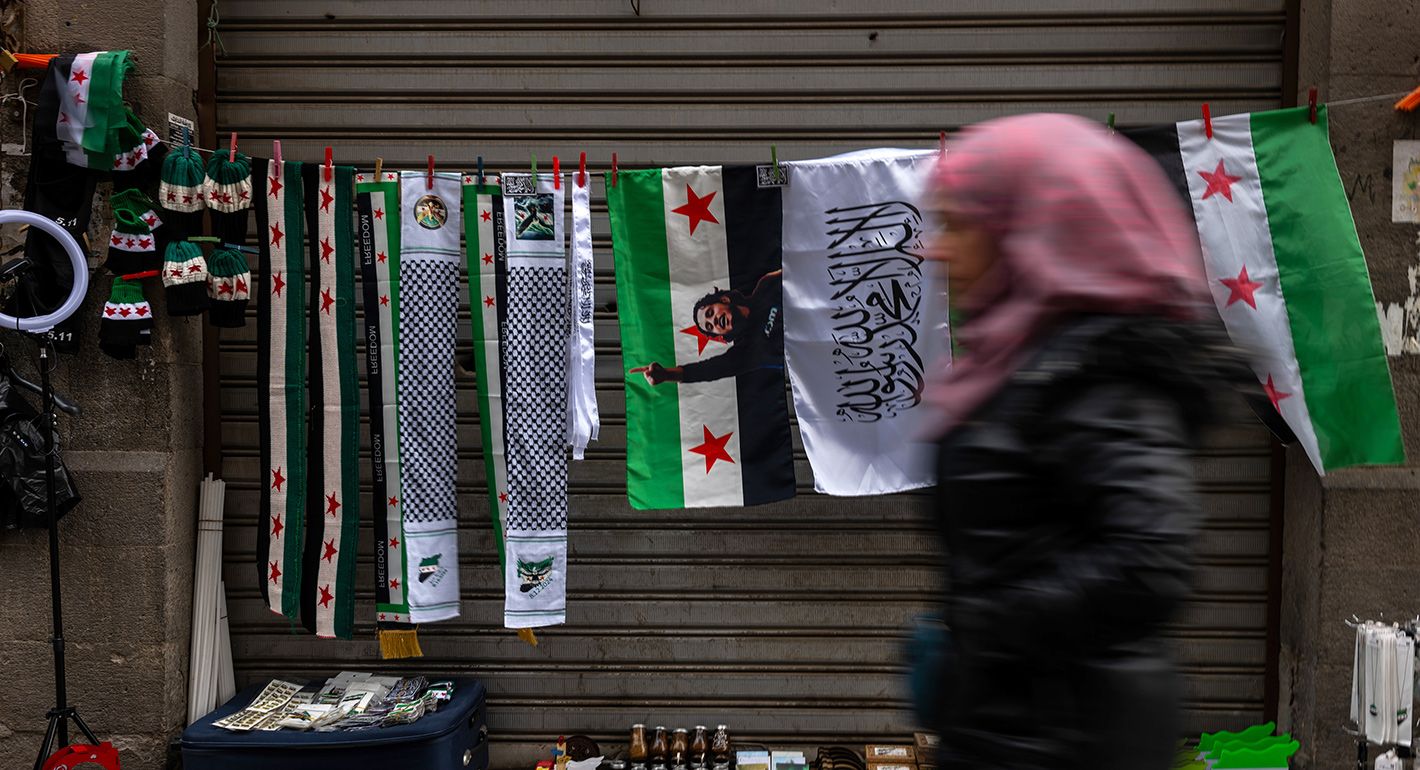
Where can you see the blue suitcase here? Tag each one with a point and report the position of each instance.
(453, 738)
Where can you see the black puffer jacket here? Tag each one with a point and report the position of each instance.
(1068, 510)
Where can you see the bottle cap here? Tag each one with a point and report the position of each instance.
(681, 730)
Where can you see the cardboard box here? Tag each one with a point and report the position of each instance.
(877, 753)
(926, 744)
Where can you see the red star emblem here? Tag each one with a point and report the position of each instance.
(277, 479)
(502, 497)
(275, 185)
(176, 273)
(394, 583)
(194, 269)
(276, 526)
(118, 163)
(329, 550)
(63, 118)
(148, 139)
(172, 197)
(79, 76)
(696, 209)
(187, 199)
(714, 448)
(488, 302)
(485, 216)
(108, 311)
(115, 240)
(325, 596)
(142, 310)
(277, 284)
(275, 573)
(1241, 288)
(125, 312)
(241, 286)
(331, 504)
(326, 250)
(1274, 395)
(382, 256)
(144, 243)
(151, 220)
(394, 501)
(382, 616)
(325, 199)
(379, 213)
(78, 98)
(326, 301)
(487, 259)
(243, 195)
(1220, 181)
(225, 288)
(384, 300)
(129, 243)
(276, 234)
(394, 542)
(701, 338)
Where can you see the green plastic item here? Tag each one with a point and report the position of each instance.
(1207, 741)
(1265, 742)
(1258, 759)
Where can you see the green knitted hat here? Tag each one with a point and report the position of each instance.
(134, 142)
(127, 320)
(228, 286)
(228, 183)
(185, 279)
(183, 175)
(132, 248)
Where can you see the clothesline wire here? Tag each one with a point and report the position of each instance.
(1357, 100)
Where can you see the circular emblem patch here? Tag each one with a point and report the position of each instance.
(430, 212)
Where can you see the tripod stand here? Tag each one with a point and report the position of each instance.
(57, 734)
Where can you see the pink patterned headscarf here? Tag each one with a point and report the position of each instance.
(1086, 223)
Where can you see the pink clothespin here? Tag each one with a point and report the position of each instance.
(276, 151)
(430, 178)
(232, 152)
(329, 166)
(1207, 121)
(556, 173)
(582, 171)
(1311, 104)
(613, 169)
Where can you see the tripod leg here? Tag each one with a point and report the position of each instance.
(47, 747)
(83, 728)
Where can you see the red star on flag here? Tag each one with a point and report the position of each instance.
(325, 199)
(487, 259)
(277, 284)
(382, 616)
(714, 448)
(275, 186)
(382, 256)
(502, 497)
(79, 76)
(329, 550)
(1274, 395)
(325, 596)
(326, 250)
(224, 288)
(1241, 288)
(379, 213)
(1220, 181)
(63, 118)
(394, 583)
(696, 209)
(701, 338)
(485, 216)
(277, 479)
(331, 504)
(326, 301)
(488, 302)
(394, 501)
(78, 98)
(276, 526)
(275, 573)
(394, 542)
(384, 300)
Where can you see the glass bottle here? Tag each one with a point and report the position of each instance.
(660, 746)
(636, 747)
(680, 747)
(720, 747)
(699, 747)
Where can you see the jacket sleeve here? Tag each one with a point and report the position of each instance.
(728, 364)
(1118, 455)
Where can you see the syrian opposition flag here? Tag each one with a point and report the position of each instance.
(1288, 275)
(715, 430)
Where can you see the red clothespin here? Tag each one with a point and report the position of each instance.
(430, 178)
(1207, 121)
(142, 275)
(329, 166)
(556, 173)
(582, 171)
(1311, 104)
(942, 144)
(232, 151)
(276, 151)
(613, 169)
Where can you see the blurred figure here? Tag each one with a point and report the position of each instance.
(1090, 356)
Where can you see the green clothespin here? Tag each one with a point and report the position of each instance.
(204, 239)
(774, 162)
(534, 169)
(1111, 122)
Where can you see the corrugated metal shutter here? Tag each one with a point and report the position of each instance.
(783, 621)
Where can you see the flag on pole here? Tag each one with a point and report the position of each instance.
(698, 273)
(1288, 275)
(858, 315)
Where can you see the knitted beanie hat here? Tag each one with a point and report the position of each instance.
(182, 179)
(228, 190)
(139, 161)
(228, 286)
(132, 247)
(185, 279)
(127, 320)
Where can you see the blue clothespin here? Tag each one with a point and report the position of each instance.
(480, 169)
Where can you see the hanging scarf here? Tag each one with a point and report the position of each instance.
(583, 419)
(91, 110)
(281, 385)
(535, 401)
(428, 318)
(332, 528)
(377, 230)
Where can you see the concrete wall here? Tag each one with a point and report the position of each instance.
(136, 452)
(1352, 540)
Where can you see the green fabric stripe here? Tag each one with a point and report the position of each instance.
(295, 298)
(474, 251)
(344, 258)
(638, 229)
(1327, 289)
(106, 111)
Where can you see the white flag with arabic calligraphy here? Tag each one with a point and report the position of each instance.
(860, 318)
